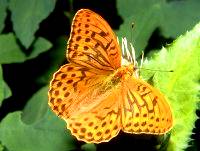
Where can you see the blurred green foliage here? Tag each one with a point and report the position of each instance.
(32, 47)
(181, 86)
(171, 17)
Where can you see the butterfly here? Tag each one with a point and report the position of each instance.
(96, 94)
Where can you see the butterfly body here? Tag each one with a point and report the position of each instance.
(96, 94)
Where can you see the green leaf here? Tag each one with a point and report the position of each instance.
(9, 50)
(3, 7)
(44, 132)
(1, 147)
(185, 12)
(27, 15)
(41, 45)
(5, 91)
(36, 107)
(172, 18)
(181, 87)
(41, 136)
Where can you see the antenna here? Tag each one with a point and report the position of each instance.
(132, 26)
(155, 69)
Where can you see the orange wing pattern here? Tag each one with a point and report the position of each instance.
(98, 97)
(69, 87)
(145, 109)
(87, 102)
(92, 42)
(100, 124)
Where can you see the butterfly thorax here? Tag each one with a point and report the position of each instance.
(123, 72)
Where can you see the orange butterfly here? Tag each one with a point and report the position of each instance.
(96, 94)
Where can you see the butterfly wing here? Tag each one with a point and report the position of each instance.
(145, 110)
(85, 100)
(69, 87)
(92, 42)
(100, 124)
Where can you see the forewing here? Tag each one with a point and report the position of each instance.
(87, 102)
(145, 110)
(92, 42)
(69, 86)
